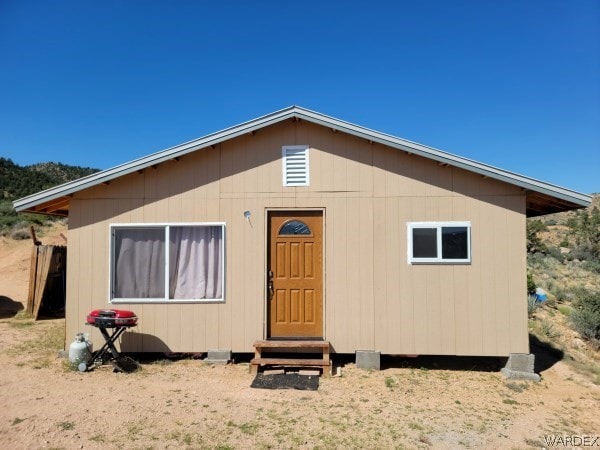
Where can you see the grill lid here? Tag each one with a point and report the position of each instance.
(110, 318)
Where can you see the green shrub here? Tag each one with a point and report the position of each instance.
(565, 310)
(556, 253)
(538, 261)
(561, 294)
(585, 317)
(591, 266)
(530, 283)
(19, 235)
(532, 304)
(585, 227)
(582, 254)
(547, 329)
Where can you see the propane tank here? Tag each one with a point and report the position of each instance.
(80, 349)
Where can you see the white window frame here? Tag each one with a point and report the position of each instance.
(284, 165)
(410, 226)
(166, 226)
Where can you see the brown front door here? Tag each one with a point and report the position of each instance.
(295, 274)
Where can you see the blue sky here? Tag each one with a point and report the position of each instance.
(515, 84)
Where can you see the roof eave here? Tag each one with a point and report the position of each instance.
(105, 176)
(571, 197)
(579, 199)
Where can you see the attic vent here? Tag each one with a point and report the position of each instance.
(295, 165)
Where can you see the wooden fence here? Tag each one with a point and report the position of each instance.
(47, 278)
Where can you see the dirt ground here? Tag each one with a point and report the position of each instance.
(423, 403)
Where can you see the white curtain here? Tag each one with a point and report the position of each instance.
(196, 264)
(139, 263)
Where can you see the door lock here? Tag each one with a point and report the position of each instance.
(270, 283)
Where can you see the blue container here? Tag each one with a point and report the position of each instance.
(540, 294)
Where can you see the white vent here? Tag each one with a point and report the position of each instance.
(295, 165)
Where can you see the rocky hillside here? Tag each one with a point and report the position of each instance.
(19, 181)
(564, 250)
(564, 260)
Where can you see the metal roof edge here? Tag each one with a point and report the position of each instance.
(448, 158)
(525, 182)
(158, 157)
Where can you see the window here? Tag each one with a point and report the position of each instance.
(439, 242)
(144, 268)
(295, 165)
(294, 227)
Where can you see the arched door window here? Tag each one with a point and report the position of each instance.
(294, 227)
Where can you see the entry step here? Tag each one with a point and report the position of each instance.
(293, 347)
(291, 344)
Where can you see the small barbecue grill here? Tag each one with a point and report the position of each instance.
(118, 320)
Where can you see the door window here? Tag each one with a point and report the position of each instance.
(294, 227)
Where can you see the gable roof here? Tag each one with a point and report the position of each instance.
(542, 197)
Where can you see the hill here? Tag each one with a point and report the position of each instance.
(564, 260)
(19, 181)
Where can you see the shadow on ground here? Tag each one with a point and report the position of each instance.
(546, 355)
(465, 363)
(8, 307)
(460, 363)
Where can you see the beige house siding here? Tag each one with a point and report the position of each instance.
(373, 298)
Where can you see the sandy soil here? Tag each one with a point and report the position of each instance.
(424, 403)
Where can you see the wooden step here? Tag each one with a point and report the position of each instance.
(291, 344)
(255, 363)
(301, 362)
(296, 345)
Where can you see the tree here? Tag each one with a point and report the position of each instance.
(585, 227)
(534, 243)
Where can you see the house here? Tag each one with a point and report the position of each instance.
(300, 225)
